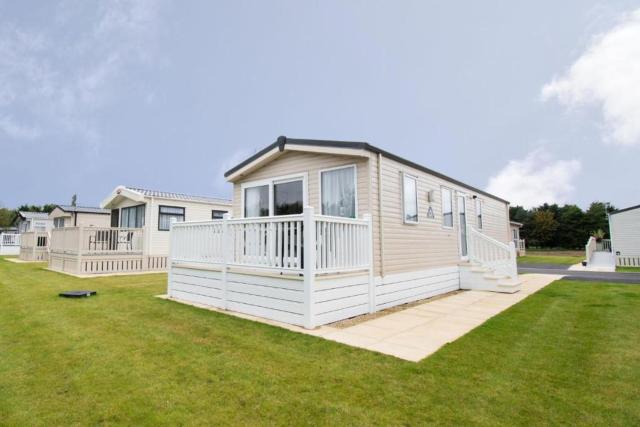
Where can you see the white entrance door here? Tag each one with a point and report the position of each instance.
(462, 229)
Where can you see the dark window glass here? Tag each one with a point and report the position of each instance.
(132, 217)
(287, 198)
(217, 214)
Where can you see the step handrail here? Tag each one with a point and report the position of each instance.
(499, 257)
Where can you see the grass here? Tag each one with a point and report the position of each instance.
(566, 355)
(628, 269)
(550, 259)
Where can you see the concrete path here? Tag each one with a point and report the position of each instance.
(419, 331)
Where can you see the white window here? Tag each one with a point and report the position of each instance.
(338, 192)
(256, 201)
(58, 222)
(447, 208)
(410, 198)
(166, 214)
(479, 213)
(277, 196)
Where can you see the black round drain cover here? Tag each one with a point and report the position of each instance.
(77, 294)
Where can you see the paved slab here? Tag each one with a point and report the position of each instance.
(419, 331)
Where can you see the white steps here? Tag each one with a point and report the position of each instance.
(476, 277)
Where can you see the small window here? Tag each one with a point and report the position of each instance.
(410, 198)
(447, 208)
(479, 213)
(167, 214)
(338, 192)
(58, 222)
(217, 214)
(256, 201)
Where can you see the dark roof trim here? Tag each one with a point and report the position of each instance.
(624, 210)
(83, 209)
(283, 140)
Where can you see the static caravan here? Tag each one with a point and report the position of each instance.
(34, 228)
(624, 228)
(515, 235)
(79, 216)
(326, 230)
(136, 239)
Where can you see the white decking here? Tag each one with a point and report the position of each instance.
(88, 251)
(310, 270)
(9, 244)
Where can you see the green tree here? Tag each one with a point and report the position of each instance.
(596, 217)
(6, 217)
(74, 199)
(543, 228)
(572, 232)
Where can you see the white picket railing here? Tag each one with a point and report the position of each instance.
(603, 245)
(96, 240)
(275, 243)
(521, 247)
(493, 254)
(9, 239)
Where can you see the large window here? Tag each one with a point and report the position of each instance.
(338, 192)
(278, 196)
(167, 214)
(287, 198)
(256, 201)
(132, 217)
(447, 208)
(479, 213)
(410, 198)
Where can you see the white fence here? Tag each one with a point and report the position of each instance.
(604, 245)
(590, 248)
(9, 243)
(34, 246)
(276, 243)
(521, 247)
(96, 240)
(493, 254)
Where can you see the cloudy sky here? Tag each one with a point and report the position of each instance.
(534, 101)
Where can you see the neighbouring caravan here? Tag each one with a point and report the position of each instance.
(79, 216)
(136, 238)
(34, 229)
(624, 227)
(326, 230)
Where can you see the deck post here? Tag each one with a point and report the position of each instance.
(309, 242)
(372, 284)
(227, 247)
(79, 262)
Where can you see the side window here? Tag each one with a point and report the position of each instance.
(447, 208)
(168, 213)
(217, 214)
(410, 198)
(479, 213)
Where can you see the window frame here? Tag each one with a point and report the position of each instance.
(451, 195)
(479, 213)
(184, 215)
(144, 220)
(270, 182)
(355, 186)
(218, 210)
(404, 202)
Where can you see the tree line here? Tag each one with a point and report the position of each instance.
(7, 216)
(566, 227)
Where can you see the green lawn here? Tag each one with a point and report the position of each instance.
(550, 259)
(567, 355)
(628, 269)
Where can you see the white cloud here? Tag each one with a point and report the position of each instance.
(536, 179)
(62, 74)
(15, 130)
(607, 74)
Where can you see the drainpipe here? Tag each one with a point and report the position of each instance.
(380, 224)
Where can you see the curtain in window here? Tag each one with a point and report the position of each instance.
(339, 192)
(256, 201)
(447, 208)
(410, 199)
(132, 217)
(168, 213)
